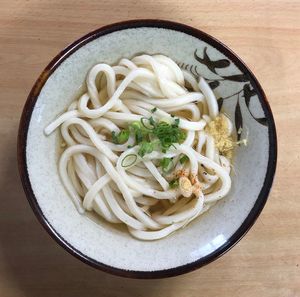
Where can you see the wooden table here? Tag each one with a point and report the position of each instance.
(266, 34)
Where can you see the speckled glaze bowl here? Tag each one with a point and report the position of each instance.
(208, 237)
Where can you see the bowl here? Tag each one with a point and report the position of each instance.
(209, 236)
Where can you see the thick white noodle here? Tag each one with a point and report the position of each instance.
(210, 98)
(139, 194)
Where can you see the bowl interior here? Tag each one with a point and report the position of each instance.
(199, 241)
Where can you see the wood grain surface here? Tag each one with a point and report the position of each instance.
(266, 34)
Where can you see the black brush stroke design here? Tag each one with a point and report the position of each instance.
(214, 83)
(211, 65)
(238, 119)
(237, 78)
(248, 93)
(220, 103)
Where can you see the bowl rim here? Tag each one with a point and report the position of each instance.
(26, 117)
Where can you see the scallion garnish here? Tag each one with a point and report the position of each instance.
(183, 159)
(174, 183)
(169, 134)
(121, 137)
(176, 123)
(152, 122)
(148, 123)
(138, 136)
(114, 137)
(166, 164)
(129, 160)
(145, 148)
(136, 125)
(148, 132)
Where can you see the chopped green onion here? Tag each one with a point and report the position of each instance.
(174, 183)
(169, 134)
(151, 121)
(181, 137)
(183, 159)
(130, 159)
(138, 136)
(176, 122)
(149, 125)
(145, 148)
(114, 137)
(139, 131)
(152, 134)
(153, 109)
(135, 125)
(121, 137)
(166, 164)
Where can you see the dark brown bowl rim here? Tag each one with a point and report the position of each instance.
(24, 125)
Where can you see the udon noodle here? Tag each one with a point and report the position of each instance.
(145, 146)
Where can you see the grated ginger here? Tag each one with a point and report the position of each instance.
(218, 129)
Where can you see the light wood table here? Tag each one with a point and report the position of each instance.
(266, 34)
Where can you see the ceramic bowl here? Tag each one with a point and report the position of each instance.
(209, 236)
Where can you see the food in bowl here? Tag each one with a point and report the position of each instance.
(110, 247)
(145, 146)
